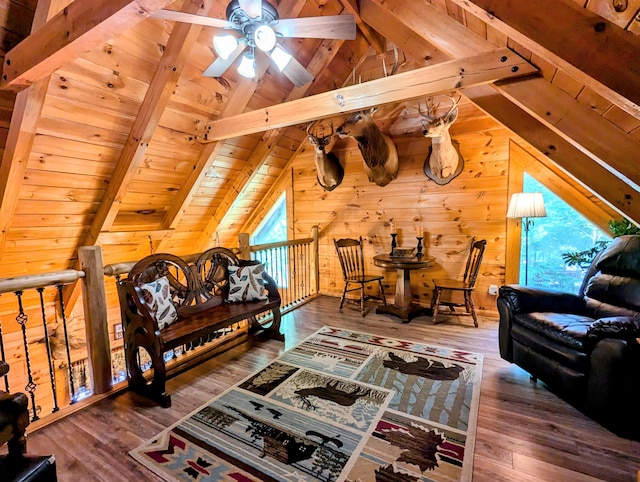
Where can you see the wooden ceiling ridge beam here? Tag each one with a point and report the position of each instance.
(593, 50)
(620, 196)
(322, 58)
(446, 76)
(27, 110)
(78, 28)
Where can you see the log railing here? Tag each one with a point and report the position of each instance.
(57, 363)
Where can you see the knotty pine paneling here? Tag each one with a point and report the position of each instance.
(473, 204)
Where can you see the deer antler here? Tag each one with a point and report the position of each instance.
(431, 107)
(454, 103)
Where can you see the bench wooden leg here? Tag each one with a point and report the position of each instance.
(155, 389)
(272, 330)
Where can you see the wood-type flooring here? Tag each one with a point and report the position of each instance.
(525, 433)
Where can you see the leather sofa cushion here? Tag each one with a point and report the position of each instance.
(539, 348)
(616, 291)
(621, 257)
(565, 329)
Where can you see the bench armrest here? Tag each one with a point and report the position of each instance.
(272, 287)
(135, 314)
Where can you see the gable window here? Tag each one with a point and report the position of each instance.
(273, 229)
(562, 230)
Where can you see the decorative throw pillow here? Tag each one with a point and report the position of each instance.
(157, 296)
(246, 283)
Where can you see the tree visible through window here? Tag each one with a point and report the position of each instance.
(273, 229)
(561, 231)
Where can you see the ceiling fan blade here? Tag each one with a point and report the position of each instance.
(220, 65)
(331, 26)
(192, 18)
(296, 73)
(253, 8)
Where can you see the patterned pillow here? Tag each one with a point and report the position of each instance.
(246, 283)
(157, 296)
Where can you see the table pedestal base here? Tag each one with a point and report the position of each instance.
(405, 314)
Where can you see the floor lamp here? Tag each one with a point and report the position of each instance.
(525, 205)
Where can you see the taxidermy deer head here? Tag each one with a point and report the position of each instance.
(330, 171)
(378, 150)
(444, 161)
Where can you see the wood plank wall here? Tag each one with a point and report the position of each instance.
(473, 204)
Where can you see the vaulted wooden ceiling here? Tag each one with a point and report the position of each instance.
(112, 136)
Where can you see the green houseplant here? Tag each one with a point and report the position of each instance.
(583, 258)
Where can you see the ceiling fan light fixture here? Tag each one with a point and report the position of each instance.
(280, 57)
(265, 38)
(224, 45)
(247, 67)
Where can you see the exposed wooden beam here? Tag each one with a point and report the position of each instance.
(374, 39)
(619, 195)
(579, 124)
(322, 58)
(27, 109)
(133, 237)
(447, 76)
(78, 28)
(436, 26)
(593, 50)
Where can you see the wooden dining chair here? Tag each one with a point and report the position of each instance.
(351, 255)
(466, 285)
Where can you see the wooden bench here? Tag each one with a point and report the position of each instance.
(199, 293)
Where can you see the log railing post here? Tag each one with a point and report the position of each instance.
(95, 316)
(243, 246)
(315, 234)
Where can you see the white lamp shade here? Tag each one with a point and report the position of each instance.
(264, 38)
(224, 45)
(526, 205)
(280, 58)
(247, 67)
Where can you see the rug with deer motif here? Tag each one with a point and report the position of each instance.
(340, 406)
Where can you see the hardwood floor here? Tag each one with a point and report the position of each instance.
(525, 433)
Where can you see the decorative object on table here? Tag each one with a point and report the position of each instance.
(526, 205)
(466, 285)
(394, 233)
(403, 252)
(341, 405)
(351, 256)
(419, 237)
(444, 162)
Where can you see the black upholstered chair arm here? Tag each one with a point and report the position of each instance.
(524, 299)
(620, 327)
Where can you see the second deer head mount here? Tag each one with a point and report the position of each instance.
(444, 162)
(329, 170)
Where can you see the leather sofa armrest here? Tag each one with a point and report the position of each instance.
(619, 327)
(523, 299)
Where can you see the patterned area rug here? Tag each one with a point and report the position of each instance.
(341, 405)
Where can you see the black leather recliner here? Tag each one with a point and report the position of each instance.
(584, 346)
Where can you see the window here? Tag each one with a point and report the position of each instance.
(273, 229)
(563, 230)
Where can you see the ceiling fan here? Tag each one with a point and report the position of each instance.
(257, 26)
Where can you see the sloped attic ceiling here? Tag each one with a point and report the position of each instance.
(116, 138)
